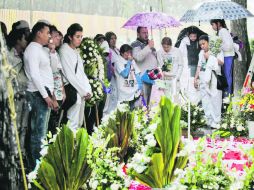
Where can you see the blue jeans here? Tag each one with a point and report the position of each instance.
(39, 118)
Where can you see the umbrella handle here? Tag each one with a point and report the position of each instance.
(151, 33)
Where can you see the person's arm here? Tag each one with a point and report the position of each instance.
(69, 71)
(227, 44)
(180, 65)
(160, 59)
(125, 72)
(140, 54)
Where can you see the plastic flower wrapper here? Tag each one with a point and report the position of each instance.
(215, 43)
(92, 55)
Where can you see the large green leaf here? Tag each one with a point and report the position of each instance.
(47, 175)
(65, 164)
(168, 135)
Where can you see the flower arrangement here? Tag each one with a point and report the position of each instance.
(197, 117)
(247, 106)
(232, 123)
(215, 44)
(107, 169)
(156, 168)
(216, 164)
(204, 171)
(94, 68)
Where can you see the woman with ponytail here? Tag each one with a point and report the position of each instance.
(219, 25)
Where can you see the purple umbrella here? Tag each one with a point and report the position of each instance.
(153, 20)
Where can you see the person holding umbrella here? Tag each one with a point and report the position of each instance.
(189, 47)
(144, 54)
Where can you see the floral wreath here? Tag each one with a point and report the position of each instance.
(94, 68)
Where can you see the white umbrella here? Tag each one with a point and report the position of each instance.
(206, 11)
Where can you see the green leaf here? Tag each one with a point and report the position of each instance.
(47, 175)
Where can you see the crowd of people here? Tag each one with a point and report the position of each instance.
(51, 87)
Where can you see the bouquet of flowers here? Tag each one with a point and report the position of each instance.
(232, 123)
(167, 64)
(94, 68)
(197, 117)
(215, 45)
(247, 106)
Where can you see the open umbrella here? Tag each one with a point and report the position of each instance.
(152, 20)
(206, 11)
(184, 32)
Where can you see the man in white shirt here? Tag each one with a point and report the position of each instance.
(144, 54)
(39, 88)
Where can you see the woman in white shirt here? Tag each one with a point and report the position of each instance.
(114, 54)
(219, 25)
(171, 62)
(78, 87)
(211, 97)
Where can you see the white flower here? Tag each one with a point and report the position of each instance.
(84, 47)
(87, 61)
(104, 181)
(240, 128)
(32, 176)
(139, 169)
(91, 81)
(90, 54)
(226, 100)
(127, 181)
(84, 56)
(115, 186)
(90, 49)
(94, 184)
(153, 127)
(152, 143)
(195, 114)
(44, 151)
(224, 126)
(194, 121)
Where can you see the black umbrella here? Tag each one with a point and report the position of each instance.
(187, 31)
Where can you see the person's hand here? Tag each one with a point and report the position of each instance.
(206, 55)
(151, 43)
(49, 102)
(55, 105)
(87, 96)
(196, 83)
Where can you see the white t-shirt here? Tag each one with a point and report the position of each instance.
(127, 87)
(38, 70)
(176, 58)
(227, 42)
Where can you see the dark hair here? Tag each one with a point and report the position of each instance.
(108, 36)
(124, 48)
(52, 28)
(60, 33)
(222, 23)
(14, 36)
(204, 37)
(98, 37)
(36, 28)
(139, 28)
(71, 31)
(3, 29)
(166, 41)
